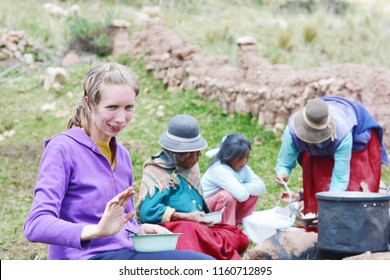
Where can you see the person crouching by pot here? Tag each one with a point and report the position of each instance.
(171, 195)
(229, 184)
(339, 145)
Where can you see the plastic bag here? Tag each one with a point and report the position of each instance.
(261, 225)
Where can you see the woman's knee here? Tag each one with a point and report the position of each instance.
(226, 197)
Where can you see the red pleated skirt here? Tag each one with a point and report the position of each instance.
(221, 241)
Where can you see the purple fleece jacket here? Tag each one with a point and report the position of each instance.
(75, 182)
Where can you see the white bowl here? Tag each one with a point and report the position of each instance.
(214, 217)
(307, 222)
(155, 242)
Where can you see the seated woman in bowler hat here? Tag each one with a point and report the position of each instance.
(171, 195)
(339, 145)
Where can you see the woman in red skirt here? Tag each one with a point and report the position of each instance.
(339, 146)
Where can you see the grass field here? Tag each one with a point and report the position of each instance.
(23, 99)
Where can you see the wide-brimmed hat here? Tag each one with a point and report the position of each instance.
(183, 135)
(313, 123)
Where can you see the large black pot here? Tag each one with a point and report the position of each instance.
(353, 222)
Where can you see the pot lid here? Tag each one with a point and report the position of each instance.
(352, 196)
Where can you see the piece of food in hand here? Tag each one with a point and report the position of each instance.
(308, 216)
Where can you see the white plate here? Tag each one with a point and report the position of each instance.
(214, 217)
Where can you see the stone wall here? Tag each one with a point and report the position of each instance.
(269, 92)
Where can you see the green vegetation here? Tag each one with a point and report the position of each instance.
(284, 35)
(90, 37)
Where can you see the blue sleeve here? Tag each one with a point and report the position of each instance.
(241, 184)
(252, 182)
(288, 154)
(152, 209)
(224, 177)
(341, 169)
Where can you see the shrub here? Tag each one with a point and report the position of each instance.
(285, 40)
(88, 36)
(309, 34)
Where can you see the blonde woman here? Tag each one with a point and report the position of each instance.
(83, 200)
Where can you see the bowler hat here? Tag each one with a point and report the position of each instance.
(313, 123)
(183, 135)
